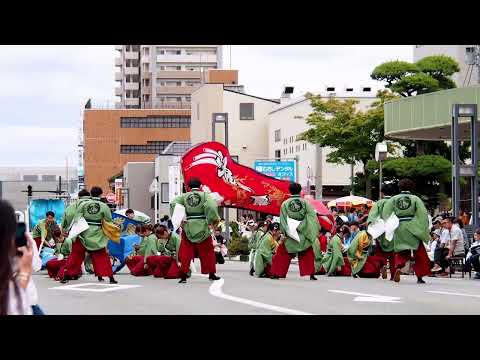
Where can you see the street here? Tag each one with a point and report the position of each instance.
(237, 293)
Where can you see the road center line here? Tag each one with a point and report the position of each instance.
(452, 293)
(216, 290)
(369, 297)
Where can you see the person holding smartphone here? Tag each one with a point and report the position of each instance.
(16, 253)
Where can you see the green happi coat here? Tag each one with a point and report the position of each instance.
(375, 213)
(43, 231)
(333, 259)
(94, 211)
(413, 218)
(201, 210)
(169, 247)
(71, 211)
(252, 246)
(357, 252)
(299, 209)
(148, 246)
(265, 248)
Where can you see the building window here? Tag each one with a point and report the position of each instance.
(152, 147)
(49, 178)
(164, 198)
(30, 177)
(285, 151)
(277, 135)
(161, 121)
(246, 111)
(278, 154)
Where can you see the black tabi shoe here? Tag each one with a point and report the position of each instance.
(183, 280)
(252, 271)
(75, 277)
(420, 280)
(312, 277)
(65, 279)
(112, 280)
(274, 277)
(355, 276)
(100, 278)
(212, 276)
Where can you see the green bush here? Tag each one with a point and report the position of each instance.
(238, 245)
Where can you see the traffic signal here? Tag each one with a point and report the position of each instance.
(29, 190)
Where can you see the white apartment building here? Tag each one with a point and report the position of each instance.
(468, 75)
(162, 76)
(288, 120)
(247, 121)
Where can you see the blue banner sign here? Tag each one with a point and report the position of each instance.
(282, 170)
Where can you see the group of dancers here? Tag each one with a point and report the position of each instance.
(168, 254)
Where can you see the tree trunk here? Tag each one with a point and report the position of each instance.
(368, 187)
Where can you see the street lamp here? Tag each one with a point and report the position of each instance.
(380, 155)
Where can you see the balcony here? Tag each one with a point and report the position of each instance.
(196, 58)
(178, 74)
(118, 91)
(118, 62)
(176, 90)
(146, 90)
(131, 70)
(131, 55)
(118, 76)
(132, 101)
(119, 47)
(132, 86)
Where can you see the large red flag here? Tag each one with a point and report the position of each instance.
(238, 186)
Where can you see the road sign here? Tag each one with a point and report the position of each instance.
(111, 197)
(283, 170)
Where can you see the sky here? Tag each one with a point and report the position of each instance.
(44, 88)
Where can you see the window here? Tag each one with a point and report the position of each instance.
(30, 177)
(297, 147)
(349, 89)
(49, 178)
(246, 111)
(152, 147)
(164, 193)
(160, 121)
(278, 154)
(277, 135)
(285, 151)
(330, 88)
(366, 89)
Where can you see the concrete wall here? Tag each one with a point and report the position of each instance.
(137, 177)
(291, 120)
(161, 173)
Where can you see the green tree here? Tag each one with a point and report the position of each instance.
(351, 133)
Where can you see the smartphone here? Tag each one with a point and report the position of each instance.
(20, 238)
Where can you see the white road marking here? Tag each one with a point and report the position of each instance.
(216, 290)
(102, 287)
(452, 293)
(369, 297)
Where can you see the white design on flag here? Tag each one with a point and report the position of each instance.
(369, 297)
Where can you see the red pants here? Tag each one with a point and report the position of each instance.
(281, 262)
(56, 268)
(372, 267)
(136, 265)
(38, 241)
(163, 266)
(346, 269)
(421, 266)
(204, 250)
(100, 260)
(390, 256)
(322, 239)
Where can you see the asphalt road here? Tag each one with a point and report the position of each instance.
(240, 294)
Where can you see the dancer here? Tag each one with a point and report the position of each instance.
(93, 240)
(137, 260)
(333, 261)
(308, 248)
(362, 264)
(252, 245)
(201, 212)
(165, 263)
(267, 244)
(43, 231)
(412, 231)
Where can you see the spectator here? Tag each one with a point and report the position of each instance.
(363, 219)
(466, 242)
(130, 213)
(454, 246)
(351, 215)
(15, 270)
(473, 256)
(219, 246)
(432, 244)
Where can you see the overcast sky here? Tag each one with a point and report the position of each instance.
(44, 88)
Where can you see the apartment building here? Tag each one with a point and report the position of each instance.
(468, 75)
(285, 124)
(114, 137)
(162, 76)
